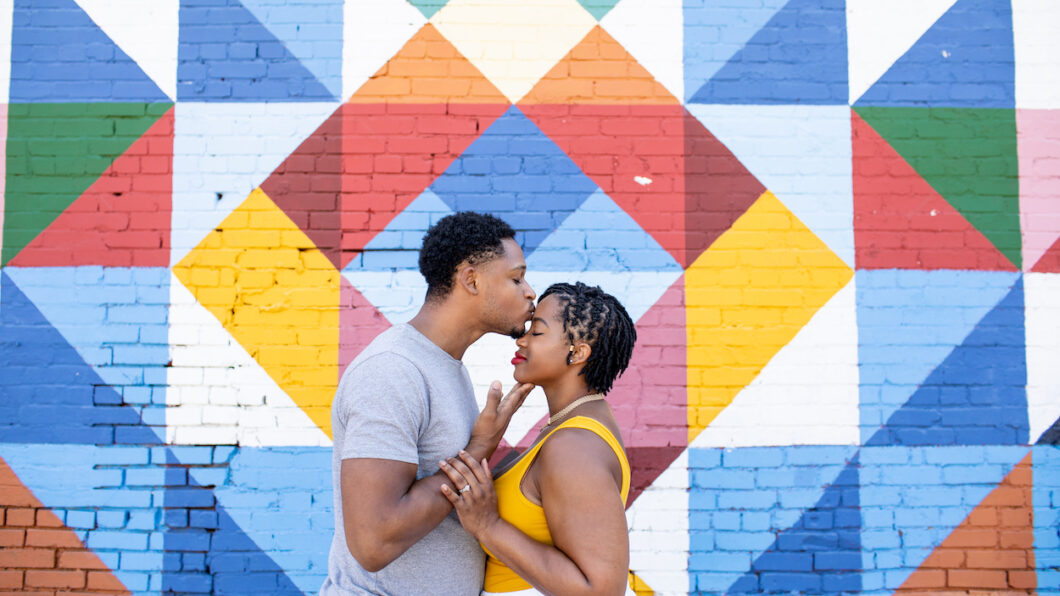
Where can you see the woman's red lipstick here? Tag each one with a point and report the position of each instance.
(518, 358)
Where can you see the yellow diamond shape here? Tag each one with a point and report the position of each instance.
(278, 296)
(747, 297)
(514, 43)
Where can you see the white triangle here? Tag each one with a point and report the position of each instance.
(7, 12)
(373, 31)
(489, 359)
(217, 394)
(802, 154)
(146, 31)
(879, 33)
(658, 531)
(806, 395)
(1042, 306)
(223, 151)
(514, 43)
(652, 31)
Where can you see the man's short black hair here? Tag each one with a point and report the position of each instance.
(454, 239)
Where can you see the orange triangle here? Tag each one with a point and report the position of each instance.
(901, 222)
(428, 69)
(35, 538)
(599, 71)
(1050, 261)
(123, 219)
(992, 549)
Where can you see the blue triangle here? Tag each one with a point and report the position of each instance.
(978, 395)
(104, 495)
(966, 60)
(715, 31)
(115, 317)
(908, 323)
(758, 504)
(226, 54)
(398, 245)
(912, 498)
(58, 54)
(600, 236)
(779, 66)
(311, 30)
(49, 393)
(517, 173)
(255, 532)
(821, 552)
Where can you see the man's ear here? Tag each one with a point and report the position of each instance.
(580, 354)
(467, 278)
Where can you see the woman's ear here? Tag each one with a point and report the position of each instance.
(467, 278)
(579, 353)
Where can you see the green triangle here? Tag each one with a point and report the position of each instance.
(598, 8)
(969, 156)
(428, 7)
(55, 151)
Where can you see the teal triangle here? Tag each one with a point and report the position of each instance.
(598, 8)
(428, 7)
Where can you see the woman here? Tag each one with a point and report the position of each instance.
(553, 521)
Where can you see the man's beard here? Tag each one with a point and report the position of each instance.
(517, 332)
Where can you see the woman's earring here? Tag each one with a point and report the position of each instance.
(570, 355)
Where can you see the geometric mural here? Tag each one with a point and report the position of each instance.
(833, 222)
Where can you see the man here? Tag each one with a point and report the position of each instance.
(406, 402)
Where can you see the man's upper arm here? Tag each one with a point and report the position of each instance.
(382, 407)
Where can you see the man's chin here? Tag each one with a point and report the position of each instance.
(517, 333)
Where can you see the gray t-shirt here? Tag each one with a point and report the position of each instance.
(404, 398)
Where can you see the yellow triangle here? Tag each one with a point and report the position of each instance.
(747, 297)
(278, 296)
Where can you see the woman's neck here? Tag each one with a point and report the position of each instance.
(562, 395)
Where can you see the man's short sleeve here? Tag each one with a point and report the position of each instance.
(382, 405)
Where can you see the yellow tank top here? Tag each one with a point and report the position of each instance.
(529, 517)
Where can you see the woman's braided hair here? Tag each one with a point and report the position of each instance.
(599, 319)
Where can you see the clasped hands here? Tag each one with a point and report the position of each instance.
(475, 500)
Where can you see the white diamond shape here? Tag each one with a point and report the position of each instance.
(514, 43)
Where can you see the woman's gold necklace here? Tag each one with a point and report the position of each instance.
(574, 404)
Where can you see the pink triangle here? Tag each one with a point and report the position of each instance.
(1037, 131)
(123, 219)
(359, 323)
(650, 399)
(901, 222)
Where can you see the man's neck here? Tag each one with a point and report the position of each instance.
(448, 326)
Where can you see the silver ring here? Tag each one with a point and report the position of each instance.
(466, 488)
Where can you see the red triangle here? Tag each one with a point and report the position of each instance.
(391, 152)
(992, 549)
(35, 539)
(1050, 261)
(659, 164)
(901, 222)
(307, 186)
(123, 219)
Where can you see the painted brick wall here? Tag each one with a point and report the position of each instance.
(835, 222)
